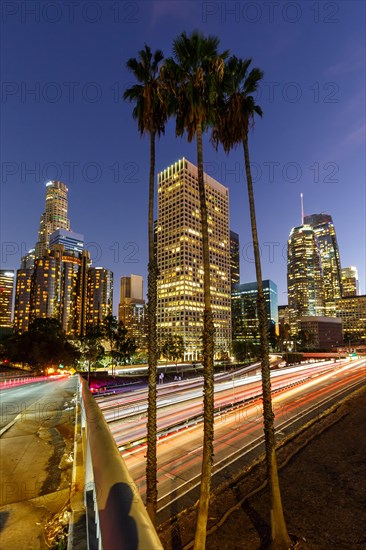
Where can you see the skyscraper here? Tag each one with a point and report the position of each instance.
(72, 242)
(245, 316)
(131, 310)
(323, 226)
(234, 259)
(55, 215)
(99, 295)
(179, 255)
(58, 288)
(350, 284)
(304, 276)
(22, 298)
(6, 297)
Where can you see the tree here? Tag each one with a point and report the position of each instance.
(173, 347)
(91, 348)
(43, 345)
(236, 118)
(121, 347)
(192, 78)
(151, 115)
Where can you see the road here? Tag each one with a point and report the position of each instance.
(238, 431)
(38, 435)
(16, 401)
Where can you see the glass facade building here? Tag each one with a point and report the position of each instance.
(323, 226)
(304, 276)
(245, 317)
(71, 241)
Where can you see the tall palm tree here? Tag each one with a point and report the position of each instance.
(150, 113)
(192, 77)
(236, 118)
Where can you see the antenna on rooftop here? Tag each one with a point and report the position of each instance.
(302, 208)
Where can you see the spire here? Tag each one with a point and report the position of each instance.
(302, 208)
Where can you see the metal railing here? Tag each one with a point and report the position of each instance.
(116, 516)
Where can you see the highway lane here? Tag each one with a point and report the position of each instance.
(19, 402)
(238, 434)
(182, 404)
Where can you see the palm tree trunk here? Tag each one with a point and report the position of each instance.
(208, 353)
(151, 460)
(280, 538)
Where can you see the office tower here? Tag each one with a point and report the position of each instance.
(304, 276)
(131, 310)
(352, 311)
(58, 288)
(99, 295)
(22, 298)
(55, 215)
(245, 317)
(6, 298)
(27, 261)
(179, 255)
(234, 259)
(323, 226)
(350, 285)
(72, 242)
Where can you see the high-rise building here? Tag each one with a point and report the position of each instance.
(179, 255)
(245, 316)
(323, 226)
(352, 311)
(58, 288)
(234, 259)
(99, 295)
(131, 309)
(6, 297)
(23, 298)
(304, 276)
(72, 242)
(27, 261)
(350, 284)
(55, 215)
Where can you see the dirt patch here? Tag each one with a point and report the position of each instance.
(323, 486)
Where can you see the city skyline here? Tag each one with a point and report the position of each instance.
(310, 140)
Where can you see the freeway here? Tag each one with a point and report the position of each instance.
(23, 400)
(301, 393)
(127, 414)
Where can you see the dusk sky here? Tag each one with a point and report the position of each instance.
(63, 75)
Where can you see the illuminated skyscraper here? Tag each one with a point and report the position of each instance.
(22, 298)
(350, 285)
(304, 276)
(6, 297)
(73, 242)
(131, 309)
(179, 255)
(245, 316)
(55, 215)
(99, 295)
(323, 226)
(58, 288)
(234, 258)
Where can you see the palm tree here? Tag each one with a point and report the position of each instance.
(236, 118)
(150, 113)
(192, 78)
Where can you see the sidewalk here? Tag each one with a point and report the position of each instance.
(36, 458)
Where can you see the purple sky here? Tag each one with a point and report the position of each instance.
(63, 73)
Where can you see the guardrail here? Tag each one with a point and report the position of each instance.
(116, 515)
